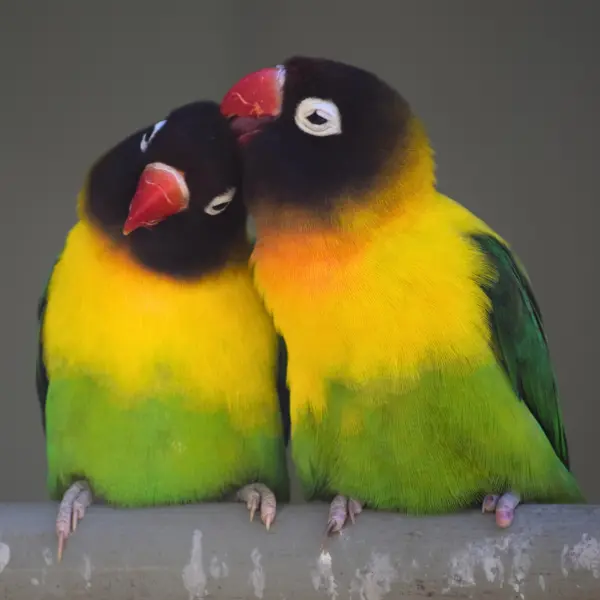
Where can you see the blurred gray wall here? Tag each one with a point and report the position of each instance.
(509, 91)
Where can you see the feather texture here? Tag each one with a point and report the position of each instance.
(399, 388)
(160, 390)
(520, 342)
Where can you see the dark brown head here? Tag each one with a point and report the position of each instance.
(318, 133)
(171, 193)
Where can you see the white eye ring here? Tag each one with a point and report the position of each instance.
(323, 108)
(146, 140)
(219, 203)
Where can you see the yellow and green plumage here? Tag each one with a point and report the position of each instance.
(403, 403)
(156, 389)
(160, 391)
(418, 366)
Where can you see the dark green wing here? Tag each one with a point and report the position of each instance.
(520, 342)
(283, 390)
(41, 376)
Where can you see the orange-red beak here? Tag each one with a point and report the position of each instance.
(161, 192)
(253, 100)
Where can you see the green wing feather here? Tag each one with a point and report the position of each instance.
(283, 390)
(41, 376)
(520, 342)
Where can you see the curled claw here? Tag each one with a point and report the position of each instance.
(503, 505)
(62, 538)
(254, 504)
(338, 512)
(70, 511)
(354, 509)
(252, 499)
(489, 503)
(268, 520)
(268, 505)
(505, 509)
(81, 503)
(340, 509)
(259, 496)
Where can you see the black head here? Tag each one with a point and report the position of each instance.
(176, 184)
(331, 131)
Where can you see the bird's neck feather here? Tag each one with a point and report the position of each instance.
(406, 188)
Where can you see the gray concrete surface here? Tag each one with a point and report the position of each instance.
(212, 551)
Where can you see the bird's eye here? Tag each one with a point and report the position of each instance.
(146, 139)
(318, 117)
(219, 203)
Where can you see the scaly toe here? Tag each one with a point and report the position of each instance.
(489, 503)
(80, 505)
(71, 509)
(505, 509)
(334, 525)
(504, 518)
(259, 496)
(268, 505)
(253, 505)
(354, 509)
(251, 497)
(338, 513)
(504, 505)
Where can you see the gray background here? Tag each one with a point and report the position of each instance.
(509, 92)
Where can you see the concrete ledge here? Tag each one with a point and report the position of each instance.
(213, 551)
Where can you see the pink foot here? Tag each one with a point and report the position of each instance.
(340, 509)
(504, 506)
(70, 511)
(259, 496)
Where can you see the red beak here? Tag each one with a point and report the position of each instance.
(253, 100)
(161, 192)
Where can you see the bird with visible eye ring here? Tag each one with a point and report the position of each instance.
(418, 364)
(157, 366)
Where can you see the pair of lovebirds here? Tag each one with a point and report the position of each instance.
(419, 374)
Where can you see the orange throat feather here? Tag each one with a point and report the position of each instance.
(298, 249)
(393, 272)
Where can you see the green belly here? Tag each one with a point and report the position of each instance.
(157, 451)
(437, 447)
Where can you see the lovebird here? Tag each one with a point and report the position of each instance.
(419, 370)
(157, 366)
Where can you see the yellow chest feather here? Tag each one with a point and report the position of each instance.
(108, 316)
(383, 307)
